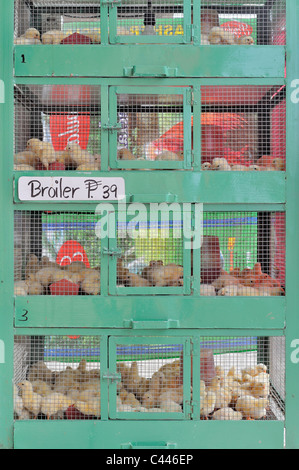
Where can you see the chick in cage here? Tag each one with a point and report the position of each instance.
(243, 254)
(41, 155)
(57, 254)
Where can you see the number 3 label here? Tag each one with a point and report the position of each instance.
(295, 353)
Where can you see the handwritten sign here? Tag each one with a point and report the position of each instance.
(59, 189)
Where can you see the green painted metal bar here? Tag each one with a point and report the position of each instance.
(115, 312)
(6, 238)
(174, 333)
(114, 434)
(127, 82)
(111, 60)
(292, 225)
(265, 187)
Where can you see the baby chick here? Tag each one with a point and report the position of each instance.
(78, 155)
(26, 158)
(169, 406)
(251, 407)
(54, 403)
(207, 290)
(220, 164)
(20, 288)
(18, 405)
(53, 37)
(31, 36)
(227, 413)
(207, 404)
(206, 166)
(218, 35)
(31, 400)
(228, 291)
(91, 407)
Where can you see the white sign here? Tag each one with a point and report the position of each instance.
(58, 189)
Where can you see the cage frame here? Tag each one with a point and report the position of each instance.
(46, 62)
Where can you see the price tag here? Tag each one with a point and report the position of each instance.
(59, 189)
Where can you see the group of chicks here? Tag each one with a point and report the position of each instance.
(44, 276)
(155, 274)
(236, 396)
(40, 155)
(265, 163)
(246, 282)
(75, 393)
(32, 36)
(58, 395)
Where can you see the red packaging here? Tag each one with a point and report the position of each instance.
(64, 287)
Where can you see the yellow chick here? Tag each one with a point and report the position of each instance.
(227, 413)
(18, 405)
(91, 283)
(34, 145)
(39, 371)
(218, 35)
(125, 154)
(207, 404)
(206, 166)
(22, 41)
(207, 290)
(23, 167)
(95, 166)
(156, 383)
(32, 401)
(131, 400)
(228, 291)
(220, 164)
(132, 379)
(55, 403)
(92, 407)
(169, 406)
(254, 168)
(251, 407)
(244, 41)
(47, 154)
(35, 287)
(174, 395)
(149, 400)
(247, 291)
(20, 288)
(25, 158)
(239, 168)
(53, 37)
(41, 388)
(78, 155)
(31, 36)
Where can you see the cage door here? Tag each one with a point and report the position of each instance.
(147, 22)
(149, 378)
(150, 127)
(149, 254)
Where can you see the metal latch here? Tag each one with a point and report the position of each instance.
(113, 377)
(111, 127)
(112, 252)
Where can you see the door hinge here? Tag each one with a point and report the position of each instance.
(192, 409)
(195, 347)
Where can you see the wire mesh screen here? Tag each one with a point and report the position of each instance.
(151, 379)
(57, 127)
(57, 22)
(243, 254)
(150, 19)
(151, 127)
(60, 378)
(151, 254)
(243, 128)
(239, 378)
(61, 254)
(243, 23)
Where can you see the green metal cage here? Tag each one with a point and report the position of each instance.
(150, 288)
